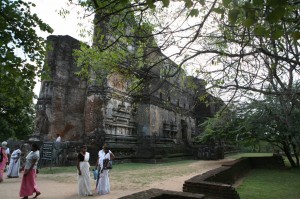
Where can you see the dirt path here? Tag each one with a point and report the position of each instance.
(64, 186)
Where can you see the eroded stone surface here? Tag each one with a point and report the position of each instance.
(157, 125)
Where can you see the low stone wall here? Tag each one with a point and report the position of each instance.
(230, 172)
(272, 162)
(207, 152)
(63, 154)
(163, 194)
(218, 183)
(199, 184)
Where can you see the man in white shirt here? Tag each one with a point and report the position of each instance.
(58, 138)
(101, 155)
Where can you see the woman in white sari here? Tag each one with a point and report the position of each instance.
(103, 186)
(83, 166)
(14, 163)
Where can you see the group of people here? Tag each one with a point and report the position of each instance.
(28, 185)
(102, 167)
(12, 160)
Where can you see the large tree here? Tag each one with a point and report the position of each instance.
(243, 49)
(21, 58)
(274, 120)
(269, 119)
(233, 45)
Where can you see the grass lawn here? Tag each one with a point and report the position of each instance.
(239, 155)
(265, 184)
(275, 184)
(144, 166)
(131, 176)
(55, 170)
(258, 184)
(121, 167)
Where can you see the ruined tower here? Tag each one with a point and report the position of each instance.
(159, 123)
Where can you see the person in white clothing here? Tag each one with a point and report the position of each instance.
(101, 154)
(83, 168)
(103, 185)
(7, 151)
(58, 138)
(14, 163)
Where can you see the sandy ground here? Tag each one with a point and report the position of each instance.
(64, 185)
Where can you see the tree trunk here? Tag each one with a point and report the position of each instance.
(288, 154)
(296, 153)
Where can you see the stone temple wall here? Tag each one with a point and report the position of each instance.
(159, 125)
(61, 102)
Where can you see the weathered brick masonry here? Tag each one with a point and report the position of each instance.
(218, 183)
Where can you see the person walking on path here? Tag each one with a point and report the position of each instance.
(103, 185)
(83, 167)
(3, 160)
(100, 159)
(14, 163)
(28, 185)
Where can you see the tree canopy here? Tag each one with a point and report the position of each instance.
(237, 47)
(270, 119)
(22, 54)
(245, 51)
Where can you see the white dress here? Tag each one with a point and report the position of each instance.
(84, 182)
(14, 164)
(103, 186)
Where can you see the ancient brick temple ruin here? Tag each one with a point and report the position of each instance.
(157, 125)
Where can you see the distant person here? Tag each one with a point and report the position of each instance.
(28, 185)
(7, 150)
(14, 163)
(58, 138)
(3, 160)
(83, 167)
(103, 185)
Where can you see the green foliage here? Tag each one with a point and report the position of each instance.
(274, 120)
(194, 12)
(233, 15)
(150, 4)
(97, 64)
(188, 3)
(243, 32)
(166, 2)
(255, 43)
(129, 50)
(267, 119)
(21, 57)
(223, 126)
(262, 14)
(246, 13)
(17, 122)
(296, 35)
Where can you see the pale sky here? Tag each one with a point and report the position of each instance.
(47, 10)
